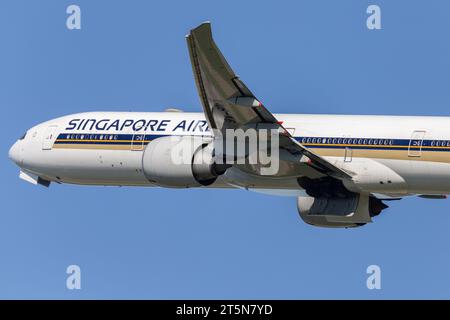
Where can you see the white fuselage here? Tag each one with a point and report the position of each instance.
(106, 148)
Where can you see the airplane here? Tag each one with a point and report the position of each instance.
(341, 168)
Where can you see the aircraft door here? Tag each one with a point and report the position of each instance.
(137, 141)
(415, 143)
(49, 137)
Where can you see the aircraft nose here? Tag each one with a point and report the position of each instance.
(14, 152)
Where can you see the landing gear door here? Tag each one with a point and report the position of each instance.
(415, 143)
(49, 137)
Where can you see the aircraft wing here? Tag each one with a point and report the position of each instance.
(229, 104)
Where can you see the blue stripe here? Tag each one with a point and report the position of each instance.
(104, 139)
(319, 142)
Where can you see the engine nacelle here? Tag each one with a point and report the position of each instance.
(352, 211)
(180, 162)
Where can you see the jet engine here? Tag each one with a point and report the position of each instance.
(353, 211)
(329, 203)
(181, 162)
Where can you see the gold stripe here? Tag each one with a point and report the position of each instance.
(432, 156)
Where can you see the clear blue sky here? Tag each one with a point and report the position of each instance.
(298, 57)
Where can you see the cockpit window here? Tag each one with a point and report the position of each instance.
(23, 136)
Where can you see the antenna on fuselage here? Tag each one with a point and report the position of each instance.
(173, 110)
